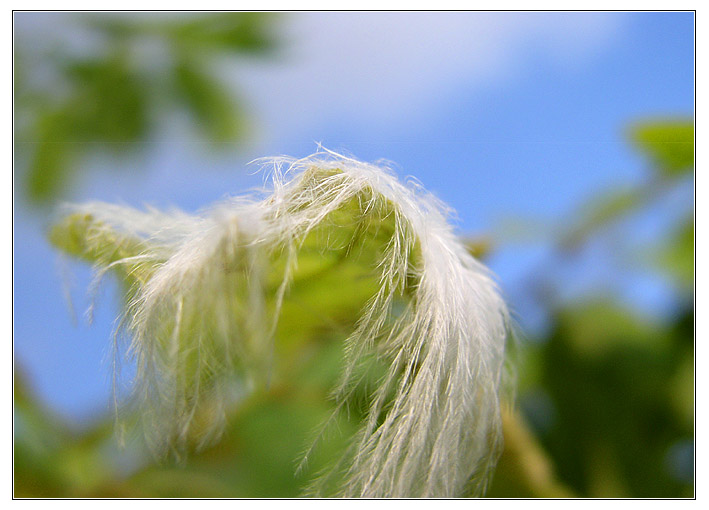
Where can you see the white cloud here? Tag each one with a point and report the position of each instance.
(387, 68)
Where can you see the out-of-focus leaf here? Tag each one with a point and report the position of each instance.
(50, 460)
(109, 102)
(212, 107)
(518, 229)
(607, 371)
(676, 258)
(479, 248)
(600, 326)
(244, 32)
(680, 390)
(670, 147)
(108, 109)
(668, 144)
(604, 210)
(53, 156)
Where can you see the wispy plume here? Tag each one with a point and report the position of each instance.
(204, 298)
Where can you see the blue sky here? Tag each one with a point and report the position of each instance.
(502, 115)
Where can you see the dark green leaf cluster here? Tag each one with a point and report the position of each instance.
(608, 391)
(114, 100)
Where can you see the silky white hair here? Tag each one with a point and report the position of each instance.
(202, 310)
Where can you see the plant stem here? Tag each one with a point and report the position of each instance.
(525, 457)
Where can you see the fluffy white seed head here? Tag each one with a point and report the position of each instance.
(203, 307)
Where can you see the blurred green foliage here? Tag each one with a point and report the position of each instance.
(668, 144)
(608, 392)
(668, 147)
(113, 100)
(605, 398)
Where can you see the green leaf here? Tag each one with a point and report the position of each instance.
(676, 258)
(670, 147)
(50, 459)
(595, 327)
(212, 107)
(603, 210)
(106, 109)
(53, 156)
(668, 144)
(110, 102)
(241, 32)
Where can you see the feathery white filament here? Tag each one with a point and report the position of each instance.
(200, 323)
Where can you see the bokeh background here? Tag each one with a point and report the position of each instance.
(564, 141)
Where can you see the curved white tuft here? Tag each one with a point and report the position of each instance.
(200, 325)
